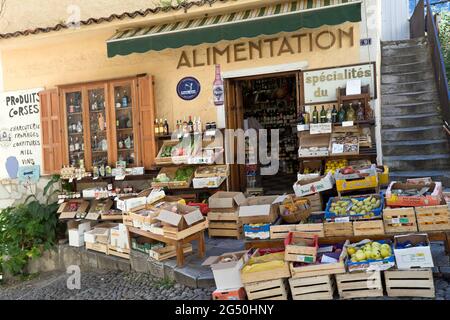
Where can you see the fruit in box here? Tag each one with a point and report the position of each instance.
(355, 207)
(370, 251)
(334, 165)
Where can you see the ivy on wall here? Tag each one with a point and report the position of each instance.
(444, 35)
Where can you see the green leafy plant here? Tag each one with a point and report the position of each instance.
(444, 35)
(28, 229)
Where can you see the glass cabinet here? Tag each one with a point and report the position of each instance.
(98, 126)
(73, 102)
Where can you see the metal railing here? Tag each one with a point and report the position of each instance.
(438, 64)
(417, 21)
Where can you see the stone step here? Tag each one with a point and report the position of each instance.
(409, 97)
(419, 50)
(397, 148)
(410, 108)
(407, 77)
(406, 87)
(407, 58)
(422, 66)
(411, 120)
(404, 43)
(436, 175)
(418, 162)
(417, 133)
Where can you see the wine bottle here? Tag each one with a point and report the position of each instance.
(190, 125)
(166, 127)
(161, 126)
(334, 114)
(323, 115)
(124, 99)
(156, 127)
(360, 112)
(341, 114)
(118, 102)
(315, 117)
(218, 88)
(71, 145)
(351, 116)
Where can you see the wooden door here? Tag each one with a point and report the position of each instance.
(147, 140)
(51, 132)
(124, 118)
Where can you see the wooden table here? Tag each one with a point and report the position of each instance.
(200, 236)
(279, 243)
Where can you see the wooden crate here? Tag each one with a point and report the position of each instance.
(434, 218)
(99, 247)
(399, 220)
(313, 288)
(161, 254)
(359, 285)
(281, 231)
(368, 228)
(320, 269)
(410, 283)
(265, 275)
(338, 229)
(224, 224)
(312, 228)
(316, 202)
(174, 234)
(267, 290)
(172, 184)
(305, 252)
(118, 252)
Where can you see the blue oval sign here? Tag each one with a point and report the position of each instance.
(188, 88)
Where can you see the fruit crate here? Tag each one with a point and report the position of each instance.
(399, 220)
(316, 202)
(313, 288)
(173, 159)
(359, 285)
(301, 247)
(368, 228)
(172, 184)
(267, 290)
(224, 224)
(372, 214)
(312, 228)
(434, 218)
(281, 231)
(338, 229)
(273, 273)
(123, 253)
(410, 283)
(161, 254)
(98, 247)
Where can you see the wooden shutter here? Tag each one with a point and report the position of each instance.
(146, 121)
(51, 132)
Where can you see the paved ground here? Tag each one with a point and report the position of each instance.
(101, 286)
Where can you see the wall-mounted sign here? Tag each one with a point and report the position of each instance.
(321, 85)
(20, 131)
(29, 174)
(366, 42)
(188, 88)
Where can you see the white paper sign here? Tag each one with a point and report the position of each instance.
(337, 148)
(353, 87)
(321, 128)
(348, 124)
(321, 85)
(20, 131)
(303, 127)
(342, 220)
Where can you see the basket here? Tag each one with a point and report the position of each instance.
(301, 214)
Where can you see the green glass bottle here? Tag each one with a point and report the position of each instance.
(323, 115)
(341, 114)
(334, 114)
(315, 116)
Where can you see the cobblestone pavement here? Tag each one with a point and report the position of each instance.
(107, 285)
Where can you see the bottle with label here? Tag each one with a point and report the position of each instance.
(161, 126)
(124, 99)
(190, 125)
(166, 127)
(329, 115)
(71, 106)
(315, 116)
(71, 145)
(77, 144)
(102, 170)
(301, 119)
(199, 125)
(218, 88)
(351, 115)
(307, 117)
(341, 114)
(101, 122)
(118, 100)
(79, 127)
(360, 112)
(334, 114)
(323, 115)
(156, 127)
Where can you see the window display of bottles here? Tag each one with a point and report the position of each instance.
(97, 122)
(332, 114)
(75, 127)
(124, 125)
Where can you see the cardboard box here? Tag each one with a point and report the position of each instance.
(259, 210)
(227, 269)
(349, 182)
(383, 177)
(127, 204)
(371, 265)
(211, 182)
(76, 230)
(394, 200)
(233, 294)
(307, 187)
(260, 231)
(184, 218)
(97, 235)
(313, 145)
(70, 208)
(314, 165)
(414, 257)
(119, 237)
(226, 200)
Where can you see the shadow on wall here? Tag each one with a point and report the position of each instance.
(12, 193)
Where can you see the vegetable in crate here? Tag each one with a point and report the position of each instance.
(183, 174)
(348, 206)
(167, 152)
(370, 251)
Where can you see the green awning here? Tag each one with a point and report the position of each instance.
(269, 20)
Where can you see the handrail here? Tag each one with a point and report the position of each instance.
(417, 22)
(438, 65)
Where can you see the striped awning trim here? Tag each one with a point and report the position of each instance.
(258, 15)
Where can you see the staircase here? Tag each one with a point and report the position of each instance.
(413, 140)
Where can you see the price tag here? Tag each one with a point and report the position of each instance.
(79, 178)
(61, 201)
(70, 180)
(120, 178)
(95, 178)
(404, 220)
(342, 219)
(302, 258)
(337, 148)
(321, 128)
(210, 133)
(348, 124)
(303, 127)
(395, 221)
(110, 186)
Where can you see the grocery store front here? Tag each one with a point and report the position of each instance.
(262, 55)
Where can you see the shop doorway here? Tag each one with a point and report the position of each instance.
(270, 102)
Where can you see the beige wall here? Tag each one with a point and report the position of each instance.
(80, 57)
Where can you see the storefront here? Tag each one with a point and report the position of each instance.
(110, 87)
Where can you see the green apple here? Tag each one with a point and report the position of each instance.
(360, 255)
